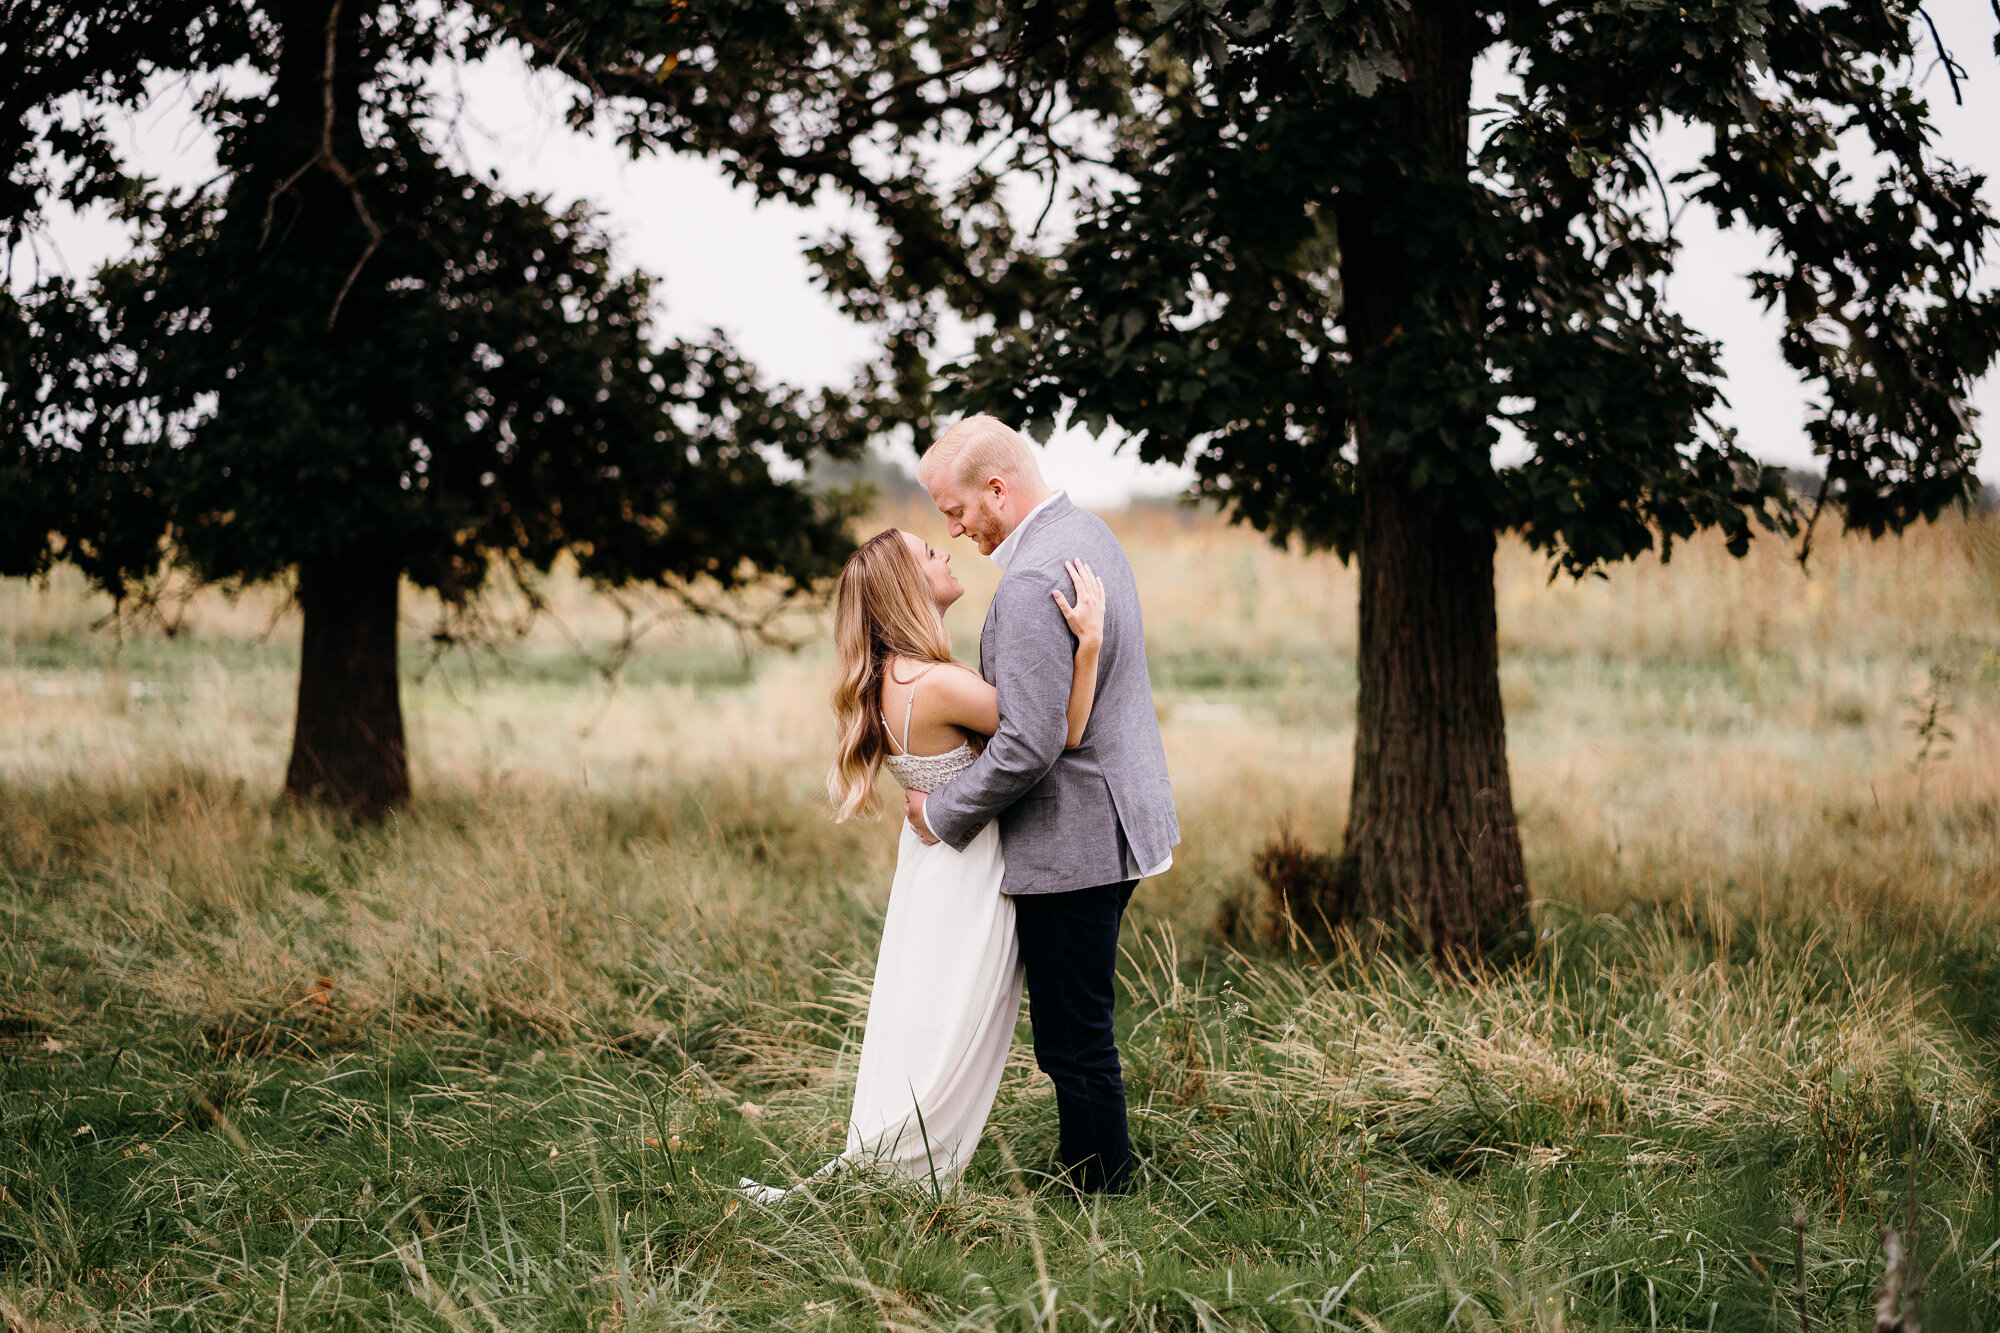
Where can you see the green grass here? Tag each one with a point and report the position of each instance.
(1568, 1142)
(1611, 1131)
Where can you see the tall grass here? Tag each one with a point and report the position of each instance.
(494, 1064)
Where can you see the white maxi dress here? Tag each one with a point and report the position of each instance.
(946, 996)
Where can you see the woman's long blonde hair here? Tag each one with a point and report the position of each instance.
(882, 609)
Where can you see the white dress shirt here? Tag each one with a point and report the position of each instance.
(1003, 554)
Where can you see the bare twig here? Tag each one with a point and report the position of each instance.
(1666, 200)
(374, 243)
(158, 600)
(1819, 503)
(1952, 69)
(271, 204)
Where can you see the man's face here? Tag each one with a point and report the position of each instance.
(979, 512)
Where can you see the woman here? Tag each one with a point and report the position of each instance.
(947, 982)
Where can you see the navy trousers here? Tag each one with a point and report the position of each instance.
(1069, 946)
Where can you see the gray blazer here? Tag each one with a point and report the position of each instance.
(1067, 817)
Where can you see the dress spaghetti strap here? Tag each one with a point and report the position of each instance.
(909, 709)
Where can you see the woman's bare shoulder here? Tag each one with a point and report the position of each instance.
(957, 676)
(959, 698)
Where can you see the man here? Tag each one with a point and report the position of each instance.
(1078, 828)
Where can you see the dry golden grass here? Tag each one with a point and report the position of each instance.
(1714, 732)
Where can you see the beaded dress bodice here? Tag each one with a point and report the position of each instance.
(928, 772)
(923, 772)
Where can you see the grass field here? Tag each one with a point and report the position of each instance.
(492, 1065)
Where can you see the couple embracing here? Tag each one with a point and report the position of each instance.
(1036, 798)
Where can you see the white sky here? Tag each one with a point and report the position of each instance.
(727, 262)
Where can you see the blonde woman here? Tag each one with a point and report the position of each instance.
(948, 976)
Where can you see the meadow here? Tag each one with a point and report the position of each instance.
(495, 1064)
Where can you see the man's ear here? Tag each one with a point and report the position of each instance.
(997, 485)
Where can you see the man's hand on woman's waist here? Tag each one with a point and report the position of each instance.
(913, 810)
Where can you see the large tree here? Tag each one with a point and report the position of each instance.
(1296, 265)
(347, 361)
(1304, 277)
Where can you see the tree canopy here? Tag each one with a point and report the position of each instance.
(314, 351)
(1212, 146)
(1200, 306)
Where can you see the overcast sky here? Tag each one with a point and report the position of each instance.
(730, 263)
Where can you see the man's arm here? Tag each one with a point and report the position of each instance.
(1033, 666)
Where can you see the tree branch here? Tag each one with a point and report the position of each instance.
(1952, 69)
(330, 162)
(756, 147)
(1819, 503)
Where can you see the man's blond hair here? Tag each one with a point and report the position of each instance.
(978, 447)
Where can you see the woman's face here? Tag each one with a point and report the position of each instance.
(945, 587)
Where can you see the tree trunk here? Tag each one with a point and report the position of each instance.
(1431, 840)
(347, 747)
